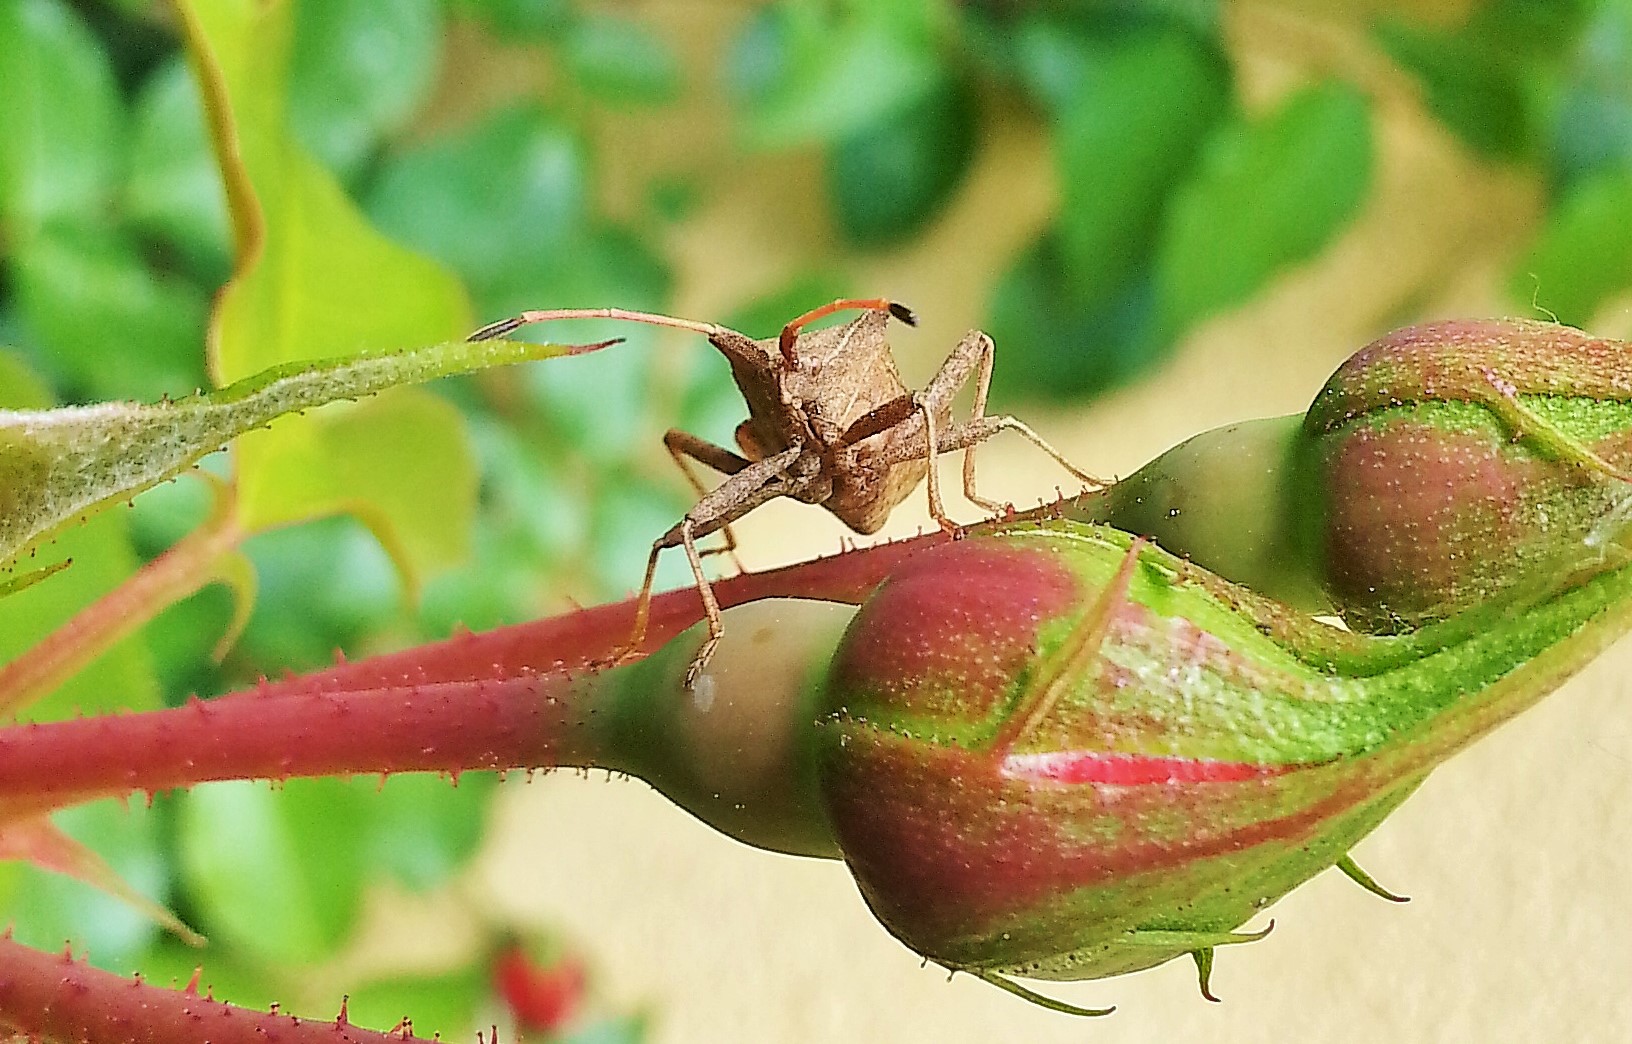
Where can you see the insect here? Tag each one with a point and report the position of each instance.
(829, 423)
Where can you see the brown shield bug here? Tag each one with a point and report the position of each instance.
(829, 423)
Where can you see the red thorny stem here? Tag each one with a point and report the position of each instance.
(516, 697)
(572, 640)
(504, 699)
(55, 997)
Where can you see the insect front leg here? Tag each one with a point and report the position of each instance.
(683, 446)
(906, 443)
(757, 483)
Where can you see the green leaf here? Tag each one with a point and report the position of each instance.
(1495, 79)
(1268, 194)
(352, 462)
(814, 73)
(120, 679)
(59, 117)
(1592, 130)
(174, 193)
(279, 872)
(1127, 135)
(1051, 57)
(1584, 254)
(619, 61)
(316, 278)
(510, 190)
(225, 973)
(1053, 51)
(422, 828)
(358, 70)
(1053, 343)
(1475, 87)
(326, 283)
(526, 19)
(890, 177)
(60, 464)
(326, 585)
(45, 909)
(78, 281)
(1528, 30)
(21, 387)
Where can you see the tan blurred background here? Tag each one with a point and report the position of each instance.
(1516, 854)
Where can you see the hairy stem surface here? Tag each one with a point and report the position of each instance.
(53, 997)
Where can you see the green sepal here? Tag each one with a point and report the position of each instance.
(1352, 871)
(1204, 972)
(1041, 1000)
(1165, 939)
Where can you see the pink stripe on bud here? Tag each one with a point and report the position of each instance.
(1093, 766)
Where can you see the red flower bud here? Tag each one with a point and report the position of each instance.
(542, 998)
(1049, 754)
(1441, 466)
(1459, 459)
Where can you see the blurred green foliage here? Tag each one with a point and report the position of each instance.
(401, 203)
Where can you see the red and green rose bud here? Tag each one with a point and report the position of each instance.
(1050, 754)
(1440, 466)
(1461, 459)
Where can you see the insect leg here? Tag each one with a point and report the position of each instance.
(684, 446)
(756, 484)
(932, 482)
(972, 433)
(987, 352)
(630, 649)
(973, 357)
(711, 606)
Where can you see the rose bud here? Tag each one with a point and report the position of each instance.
(1440, 466)
(1459, 459)
(1050, 754)
(542, 998)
